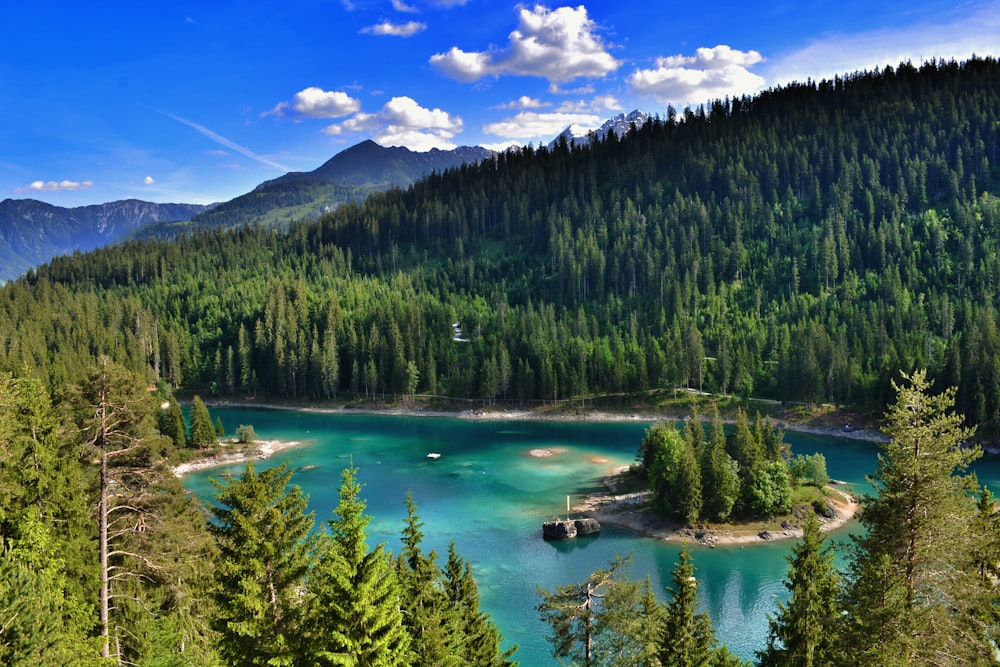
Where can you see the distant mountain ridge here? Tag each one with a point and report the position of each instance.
(350, 175)
(32, 232)
(576, 135)
(369, 164)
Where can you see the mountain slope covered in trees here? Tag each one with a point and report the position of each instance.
(804, 244)
(349, 176)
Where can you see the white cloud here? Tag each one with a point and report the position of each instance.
(401, 6)
(55, 186)
(524, 102)
(969, 28)
(607, 102)
(403, 122)
(148, 180)
(464, 66)
(559, 45)
(407, 29)
(710, 73)
(533, 125)
(314, 102)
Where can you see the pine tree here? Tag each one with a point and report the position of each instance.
(916, 594)
(263, 537)
(202, 429)
(574, 611)
(480, 638)
(40, 624)
(429, 619)
(802, 633)
(172, 423)
(628, 628)
(356, 617)
(687, 638)
(116, 426)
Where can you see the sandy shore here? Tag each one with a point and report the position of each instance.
(631, 511)
(580, 415)
(259, 450)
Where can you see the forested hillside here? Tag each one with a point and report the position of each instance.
(805, 244)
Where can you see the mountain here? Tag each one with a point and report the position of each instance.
(379, 167)
(577, 135)
(350, 175)
(32, 232)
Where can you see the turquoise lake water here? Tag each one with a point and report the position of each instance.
(489, 495)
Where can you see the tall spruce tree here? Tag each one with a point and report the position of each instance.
(479, 644)
(357, 617)
(171, 423)
(687, 638)
(203, 432)
(264, 556)
(916, 596)
(802, 634)
(115, 420)
(430, 619)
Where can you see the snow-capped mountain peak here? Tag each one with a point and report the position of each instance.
(578, 135)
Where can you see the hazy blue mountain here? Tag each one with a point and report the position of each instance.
(32, 232)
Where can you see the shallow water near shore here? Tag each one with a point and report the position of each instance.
(490, 494)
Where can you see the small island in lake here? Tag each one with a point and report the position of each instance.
(744, 486)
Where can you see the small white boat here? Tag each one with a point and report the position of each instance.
(434, 455)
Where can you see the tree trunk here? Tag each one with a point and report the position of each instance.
(102, 523)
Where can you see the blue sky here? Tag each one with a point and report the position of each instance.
(200, 101)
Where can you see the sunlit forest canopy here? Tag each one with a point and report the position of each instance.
(804, 244)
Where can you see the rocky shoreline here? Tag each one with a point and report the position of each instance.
(632, 511)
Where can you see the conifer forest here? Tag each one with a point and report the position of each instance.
(832, 241)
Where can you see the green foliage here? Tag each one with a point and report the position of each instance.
(171, 423)
(803, 633)
(916, 595)
(41, 623)
(479, 644)
(358, 616)
(675, 477)
(810, 468)
(264, 555)
(245, 434)
(429, 619)
(719, 473)
(687, 638)
(769, 489)
(607, 619)
(203, 432)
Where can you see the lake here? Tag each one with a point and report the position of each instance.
(488, 494)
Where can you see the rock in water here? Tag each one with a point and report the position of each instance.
(587, 526)
(559, 530)
(567, 529)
